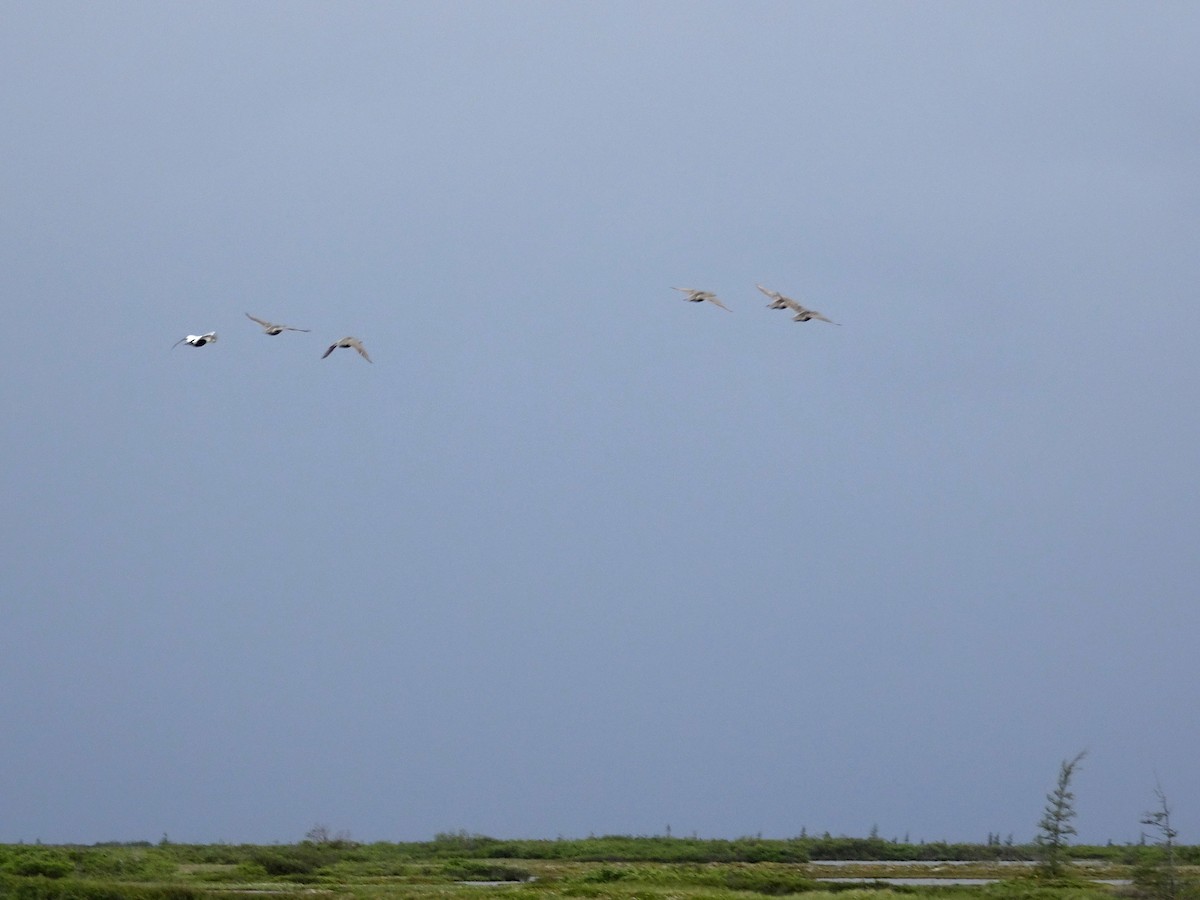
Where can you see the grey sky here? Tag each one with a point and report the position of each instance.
(574, 556)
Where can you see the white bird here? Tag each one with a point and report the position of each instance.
(700, 296)
(272, 328)
(348, 342)
(803, 314)
(196, 340)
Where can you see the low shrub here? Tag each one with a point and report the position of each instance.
(766, 881)
(295, 861)
(473, 870)
(45, 862)
(605, 875)
(72, 889)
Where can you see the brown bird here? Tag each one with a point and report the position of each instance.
(802, 314)
(272, 328)
(348, 342)
(700, 296)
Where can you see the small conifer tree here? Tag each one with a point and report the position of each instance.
(1160, 820)
(1055, 828)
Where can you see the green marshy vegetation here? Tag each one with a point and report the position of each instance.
(463, 865)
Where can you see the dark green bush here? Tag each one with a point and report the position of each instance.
(72, 889)
(297, 860)
(471, 870)
(38, 861)
(768, 881)
(605, 875)
(134, 863)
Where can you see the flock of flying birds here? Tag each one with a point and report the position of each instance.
(199, 340)
(778, 301)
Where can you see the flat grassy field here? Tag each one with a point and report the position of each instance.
(620, 868)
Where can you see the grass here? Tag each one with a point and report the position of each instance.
(607, 868)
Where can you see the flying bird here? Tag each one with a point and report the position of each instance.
(196, 340)
(778, 301)
(700, 296)
(272, 328)
(348, 342)
(802, 314)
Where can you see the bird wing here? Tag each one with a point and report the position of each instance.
(712, 298)
(290, 328)
(778, 301)
(357, 345)
(178, 342)
(258, 320)
(332, 347)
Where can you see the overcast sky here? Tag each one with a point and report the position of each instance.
(572, 555)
